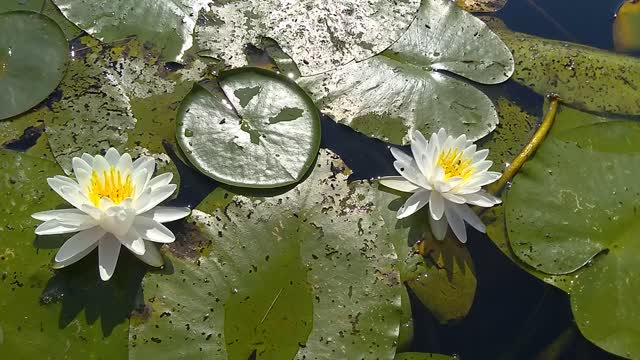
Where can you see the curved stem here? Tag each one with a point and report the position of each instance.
(529, 149)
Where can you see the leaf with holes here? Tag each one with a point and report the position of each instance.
(258, 129)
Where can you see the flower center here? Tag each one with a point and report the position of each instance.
(454, 165)
(111, 184)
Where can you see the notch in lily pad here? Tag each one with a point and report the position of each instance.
(253, 128)
(33, 60)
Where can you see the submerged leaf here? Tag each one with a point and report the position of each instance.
(404, 88)
(25, 79)
(482, 5)
(259, 130)
(422, 356)
(574, 207)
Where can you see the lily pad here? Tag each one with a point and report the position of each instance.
(626, 27)
(33, 301)
(317, 34)
(258, 129)
(584, 77)
(573, 206)
(405, 89)
(167, 24)
(320, 223)
(25, 78)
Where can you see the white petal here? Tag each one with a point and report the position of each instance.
(150, 166)
(470, 217)
(92, 211)
(63, 180)
(78, 164)
(456, 224)
(79, 243)
(59, 185)
(84, 179)
(112, 156)
(482, 198)
(106, 203)
(469, 151)
(442, 138)
(436, 205)
(152, 230)
(479, 156)
(414, 203)
(151, 255)
(54, 214)
(77, 257)
(399, 183)
(108, 251)
(125, 164)
(411, 172)
(100, 165)
(160, 180)
(438, 227)
(483, 165)
(400, 155)
(88, 159)
(54, 227)
(419, 150)
(164, 214)
(460, 142)
(457, 199)
(155, 197)
(133, 241)
(139, 181)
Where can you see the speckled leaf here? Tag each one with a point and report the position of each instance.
(167, 24)
(402, 89)
(422, 356)
(41, 313)
(350, 270)
(258, 129)
(120, 96)
(584, 77)
(405, 337)
(482, 6)
(574, 204)
(318, 34)
(25, 79)
(443, 279)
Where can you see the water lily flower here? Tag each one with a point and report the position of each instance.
(115, 202)
(447, 174)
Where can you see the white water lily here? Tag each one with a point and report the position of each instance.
(115, 202)
(447, 174)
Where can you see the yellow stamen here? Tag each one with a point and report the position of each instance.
(454, 165)
(111, 185)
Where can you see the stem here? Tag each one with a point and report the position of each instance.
(554, 350)
(529, 149)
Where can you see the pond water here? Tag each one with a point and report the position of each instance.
(514, 315)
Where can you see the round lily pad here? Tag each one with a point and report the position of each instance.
(32, 60)
(256, 129)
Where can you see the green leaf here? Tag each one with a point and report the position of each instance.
(584, 77)
(238, 241)
(403, 89)
(167, 24)
(25, 78)
(41, 312)
(261, 130)
(317, 34)
(422, 356)
(574, 206)
(45, 7)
